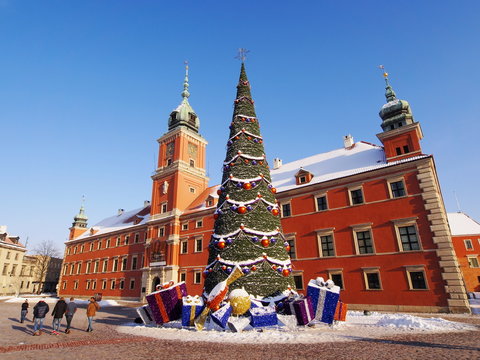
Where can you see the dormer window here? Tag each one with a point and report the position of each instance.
(303, 177)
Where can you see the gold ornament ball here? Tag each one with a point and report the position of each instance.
(240, 301)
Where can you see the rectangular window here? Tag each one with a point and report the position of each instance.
(183, 247)
(322, 203)
(14, 270)
(406, 149)
(199, 223)
(134, 263)
(87, 286)
(127, 239)
(105, 265)
(132, 284)
(298, 281)
(79, 266)
(137, 238)
(408, 237)
(183, 276)
(94, 284)
(91, 246)
(122, 284)
(112, 284)
(327, 246)
(115, 264)
(198, 245)
(468, 244)
(197, 277)
(372, 280)
(74, 250)
(286, 210)
(64, 285)
(96, 266)
(5, 268)
(104, 284)
(356, 196)
(87, 270)
(161, 231)
(364, 242)
(82, 248)
(291, 249)
(107, 245)
(192, 190)
(397, 188)
(192, 163)
(473, 261)
(417, 280)
(72, 268)
(99, 245)
(337, 278)
(118, 241)
(124, 264)
(185, 226)
(75, 285)
(164, 208)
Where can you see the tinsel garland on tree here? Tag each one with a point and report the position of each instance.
(247, 224)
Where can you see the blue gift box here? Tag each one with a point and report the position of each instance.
(220, 317)
(324, 297)
(263, 316)
(192, 307)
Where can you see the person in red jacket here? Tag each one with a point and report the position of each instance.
(92, 308)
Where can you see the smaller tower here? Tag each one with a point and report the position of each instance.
(401, 134)
(79, 225)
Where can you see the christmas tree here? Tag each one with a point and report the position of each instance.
(247, 224)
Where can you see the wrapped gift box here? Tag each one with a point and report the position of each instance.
(166, 304)
(341, 311)
(221, 316)
(324, 297)
(191, 308)
(237, 324)
(303, 310)
(146, 315)
(263, 316)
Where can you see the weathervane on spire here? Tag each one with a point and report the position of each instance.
(242, 54)
(185, 93)
(385, 74)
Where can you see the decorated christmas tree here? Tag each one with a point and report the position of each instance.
(247, 222)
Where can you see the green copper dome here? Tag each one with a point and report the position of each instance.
(395, 113)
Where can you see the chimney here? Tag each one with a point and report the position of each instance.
(120, 212)
(146, 203)
(348, 141)
(277, 163)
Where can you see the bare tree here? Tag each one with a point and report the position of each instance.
(43, 253)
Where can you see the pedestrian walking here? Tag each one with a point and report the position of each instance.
(39, 311)
(57, 313)
(24, 311)
(71, 309)
(91, 311)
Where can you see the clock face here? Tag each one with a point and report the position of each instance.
(192, 150)
(170, 149)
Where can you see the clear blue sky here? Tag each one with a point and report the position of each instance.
(86, 88)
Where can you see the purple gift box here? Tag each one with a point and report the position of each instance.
(166, 304)
(303, 310)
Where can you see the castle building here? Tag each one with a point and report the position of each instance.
(370, 217)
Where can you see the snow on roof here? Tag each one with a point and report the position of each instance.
(118, 222)
(200, 203)
(462, 224)
(362, 157)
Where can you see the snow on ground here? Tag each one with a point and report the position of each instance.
(356, 327)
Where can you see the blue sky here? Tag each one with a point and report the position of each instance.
(86, 88)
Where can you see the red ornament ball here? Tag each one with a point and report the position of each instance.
(247, 161)
(254, 268)
(221, 245)
(265, 242)
(287, 248)
(237, 137)
(273, 190)
(274, 267)
(242, 210)
(247, 186)
(219, 192)
(215, 216)
(285, 272)
(275, 212)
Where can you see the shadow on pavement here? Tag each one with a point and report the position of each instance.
(23, 329)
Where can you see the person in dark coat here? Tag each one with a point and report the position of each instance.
(57, 313)
(24, 311)
(39, 311)
(71, 310)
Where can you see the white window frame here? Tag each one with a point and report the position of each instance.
(199, 223)
(132, 284)
(372, 270)
(361, 228)
(164, 207)
(198, 240)
(113, 283)
(185, 226)
(105, 265)
(182, 251)
(299, 273)
(465, 241)
(75, 285)
(469, 262)
(199, 274)
(332, 272)
(124, 263)
(393, 180)
(319, 195)
(161, 231)
(289, 203)
(104, 284)
(182, 274)
(416, 268)
(398, 223)
(353, 188)
(326, 232)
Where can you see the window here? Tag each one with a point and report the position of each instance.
(64, 285)
(132, 284)
(161, 231)
(112, 284)
(14, 270)
(134, 263)
(286, 210)
(82, 248)
(115, 264)
(372, 279)
(87, 270)
(321, 202)
(183, 246)
(65, 269)
(118, 241)
(408, 237)
(75, 285)
(337, 278)
(473, 261)
(199, 223)
(107, 244)
(104, 284)
(397, 149)
(406, 149)
(468, 244)
(356, 196)
(79, 266)
(124, 264)
(183, 276)
(96, 266)
(192, 163)
(127, 239)
(291, 251)
(91, 246)
(87, 285)
(169, 162)
(197, 277)
(185, 226)
(364, 243)
(302, 179)
(94, 284)
(72, 267)
(122, 284)
(74, 250)
(198, 245)
(5, 269)
(164, 208)
(99, 245)
(397, 189)
(416, 278)
(105, 265)
(298, 279)
(326, 246)
(192, 190)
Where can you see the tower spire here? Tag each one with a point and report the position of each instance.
(185, 93)
(389, 93)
